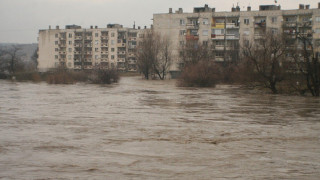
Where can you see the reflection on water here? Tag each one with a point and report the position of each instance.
(153, 130)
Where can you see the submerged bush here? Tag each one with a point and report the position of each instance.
(28, 76)
(60, 78)
(201, 74)
(102, 76)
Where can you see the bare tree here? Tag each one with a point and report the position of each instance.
(307, 61)
(267, 56)
(163, 59)
(193, 52)
(153, 55)
(10, 59)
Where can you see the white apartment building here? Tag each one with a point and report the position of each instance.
(226, 31)
(78, 48)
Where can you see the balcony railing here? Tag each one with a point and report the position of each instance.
(218, 26)
(192, 26)
(217, 36)
(231, 26)
(260, 24)
(192, 37)
(290, 24)
(258, 36)
(232, 36)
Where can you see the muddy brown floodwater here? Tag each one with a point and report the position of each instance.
(141, 129)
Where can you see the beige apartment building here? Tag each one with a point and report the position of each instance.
(79, 48)
(226, 31)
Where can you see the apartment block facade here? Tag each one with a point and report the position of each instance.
(81, 49)
(225, 32)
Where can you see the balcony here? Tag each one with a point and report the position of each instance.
(77, 45)
(104, 52)
(217, 36)
(192, 26)
(88, 38)
(132, 38)
(219, 47)
(121, 60)
(232, 36)
(104, 45)
(261, 24)
(219, 59)
(77, 52)
(305, 24)
(290, 24)
(78, 37)
(232, 26)
(132, 46)
(192, 37)
(259, 36)
(218, 26)
(121, 45)
(88, 45)
(104, 37)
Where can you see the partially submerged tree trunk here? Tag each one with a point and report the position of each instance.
(154, 55)
(267, 56)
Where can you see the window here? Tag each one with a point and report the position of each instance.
(205, 21)
(317, 30)
(56, 49)
(96, 42)
(70, 35)
(318, 19)
(112, 42)
(205, 33)
(69, 64)
(96, 56)
(205, 43)
(70, 42)
(182, 22)
(112, 56)
(274, 20)
(182, 32)
(70, 49)
(112, 49)
(56, 35)
(119, 40)
(56, 42)
(96, 34)
(56, 56)
(112, 34)
(246, 21)
(96, 49)
(69, 57)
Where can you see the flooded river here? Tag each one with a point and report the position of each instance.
(139, 129)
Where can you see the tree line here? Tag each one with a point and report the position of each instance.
(281, 62)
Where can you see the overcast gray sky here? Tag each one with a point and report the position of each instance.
(20, 20)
